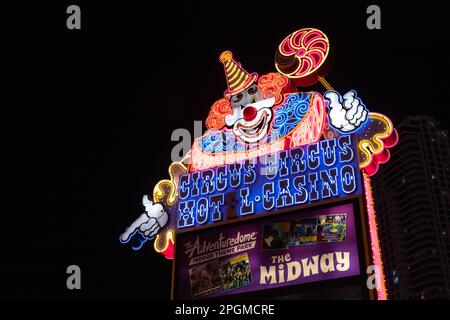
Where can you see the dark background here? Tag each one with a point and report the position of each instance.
(88, 115)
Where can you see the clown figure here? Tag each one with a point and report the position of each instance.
(257, 115)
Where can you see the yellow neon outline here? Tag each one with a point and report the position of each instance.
(158, 195)
(169, 237)
(366, 146)
(172, 184)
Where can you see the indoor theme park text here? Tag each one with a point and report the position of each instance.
(325, 169)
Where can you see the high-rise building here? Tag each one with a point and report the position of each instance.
(412, 193)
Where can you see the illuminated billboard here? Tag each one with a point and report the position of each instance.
(311, 246)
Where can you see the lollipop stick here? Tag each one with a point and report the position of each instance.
(328, 131)
(325, 83)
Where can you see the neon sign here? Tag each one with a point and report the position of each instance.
(270, 147)
(293, 177)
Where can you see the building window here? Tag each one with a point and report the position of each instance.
(395, 277)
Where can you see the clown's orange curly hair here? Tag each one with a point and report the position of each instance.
(272, 84)
(216, 116)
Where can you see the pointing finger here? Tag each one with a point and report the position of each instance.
(153, 230)
(133, 227)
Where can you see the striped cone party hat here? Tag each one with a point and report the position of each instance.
(237, 78)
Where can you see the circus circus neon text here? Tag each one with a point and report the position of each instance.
(298, 176)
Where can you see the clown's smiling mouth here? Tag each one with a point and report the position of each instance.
(255, 129)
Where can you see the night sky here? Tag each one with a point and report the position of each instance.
(90, 114)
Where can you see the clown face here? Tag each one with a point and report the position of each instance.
(251, 114)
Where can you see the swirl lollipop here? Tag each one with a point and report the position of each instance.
(301, 56)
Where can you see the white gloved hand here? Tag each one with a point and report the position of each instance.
(149, 223)
(345, 114)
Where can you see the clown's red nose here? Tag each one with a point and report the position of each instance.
(250, 113)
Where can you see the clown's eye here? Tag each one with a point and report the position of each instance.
(237, 97)
(252, 90)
